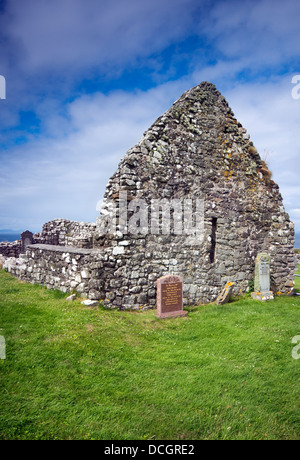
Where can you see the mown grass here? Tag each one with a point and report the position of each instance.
(72, 372)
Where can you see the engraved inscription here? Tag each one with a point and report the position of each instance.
(264, 276)
(171, 297)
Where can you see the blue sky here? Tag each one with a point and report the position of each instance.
(86, 78)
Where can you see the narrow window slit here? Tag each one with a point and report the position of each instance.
(212, 254)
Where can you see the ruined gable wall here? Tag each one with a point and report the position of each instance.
(198, 149)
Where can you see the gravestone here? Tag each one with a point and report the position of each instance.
(27, 239)
(169, 297)
(262, 278)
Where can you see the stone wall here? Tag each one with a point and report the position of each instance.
(90, 272)
(59, 267)
(57, 232)
(11, 249)
(63, 232)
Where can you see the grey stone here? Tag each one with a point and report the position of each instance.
(117, 250)
(90, 303)
(71, 297)
(225, 294)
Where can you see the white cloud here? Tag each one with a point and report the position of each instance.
(66, 175)
(76, 34)
(272, 117)
(265, 32)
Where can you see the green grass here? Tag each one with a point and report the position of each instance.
(73, 372)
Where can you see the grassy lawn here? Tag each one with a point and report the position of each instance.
(73, 372)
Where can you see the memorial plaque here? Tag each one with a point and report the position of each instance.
(169, 297)
(262, 273)
(262, 278)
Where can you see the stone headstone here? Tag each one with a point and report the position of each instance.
(262, 278)
(224, 296)
(169, 297)
(27, 239)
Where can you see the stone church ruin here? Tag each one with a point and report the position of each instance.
(192, 199)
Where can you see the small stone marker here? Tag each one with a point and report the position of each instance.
(27, 239)
(262, 278)
(169, 297)
(224, 296)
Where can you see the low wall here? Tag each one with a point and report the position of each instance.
(118, 275)
(97, 274)
(60, 267)
(11, 249)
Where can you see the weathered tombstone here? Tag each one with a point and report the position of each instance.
(224, 296)
(262, 278)
(27, 238)
(169, 297)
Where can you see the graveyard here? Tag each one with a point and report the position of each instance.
(173, 316)
(149, 223)
(77, 372)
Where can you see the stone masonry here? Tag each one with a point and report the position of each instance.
(196, 152)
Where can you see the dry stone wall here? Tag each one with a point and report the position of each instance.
(59, 267)
(10, 248)
(63, 232)
(57, 232)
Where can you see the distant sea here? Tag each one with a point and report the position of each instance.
(9, 236)
(297, 241)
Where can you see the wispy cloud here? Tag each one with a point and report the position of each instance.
(265, 32)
